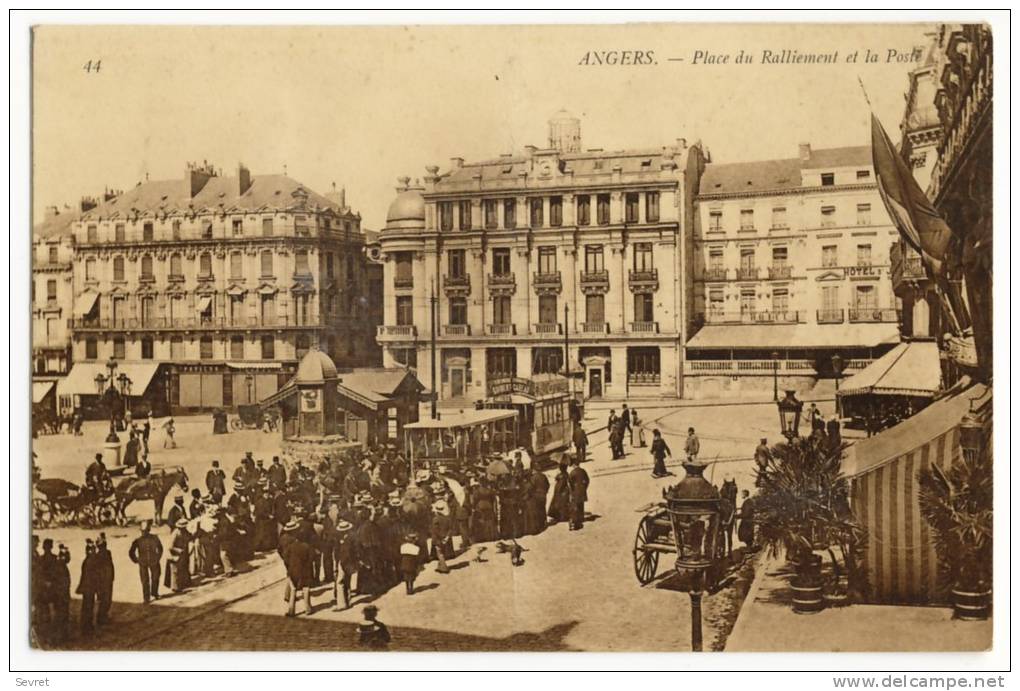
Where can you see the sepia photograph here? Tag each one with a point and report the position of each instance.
(646, 337)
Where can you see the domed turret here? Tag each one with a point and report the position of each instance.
(315, 368)
(565, 133)
(407, 212)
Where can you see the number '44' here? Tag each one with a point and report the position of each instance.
(91, 66)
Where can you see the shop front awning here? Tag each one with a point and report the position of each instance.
(203, 303)
(909, 369)
(40, 389)
(85, 303)
(916, 431)
(782, 336)
(254, 365)
(81, 380)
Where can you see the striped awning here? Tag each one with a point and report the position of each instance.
(909, 369)
(81, 380)
(883, 472)
(85, 303)
(40, 389)
(766, 336)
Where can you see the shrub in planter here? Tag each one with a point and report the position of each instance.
(957, 504)
(803, 505)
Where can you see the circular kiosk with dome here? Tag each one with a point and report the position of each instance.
(308, 410)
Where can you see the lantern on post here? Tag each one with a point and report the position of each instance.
(693, 508)
(789, 415)
(837, 368)
(971, 435)
(100, 383)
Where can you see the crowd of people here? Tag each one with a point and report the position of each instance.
(360, 522)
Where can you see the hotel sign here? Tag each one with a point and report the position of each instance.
(863, 271)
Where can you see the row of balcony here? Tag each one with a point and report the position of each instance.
(790, 367)
(825, 316)
(197, 323)
(410, 331)
(748, 273)
(538, 279)
(905, 265)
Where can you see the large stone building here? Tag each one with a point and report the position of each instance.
(209, 289)
(517, 248)
(791, 267)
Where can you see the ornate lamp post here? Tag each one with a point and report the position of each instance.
(124, 382)
(837, 368)
(693, 508)
(249, 379)
(789, 415)
(775, 375)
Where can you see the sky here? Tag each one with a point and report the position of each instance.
(363, 106)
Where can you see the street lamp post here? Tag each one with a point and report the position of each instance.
(249, 380)
(693, 508)
(789, 415)
(837, 368)
(775, 375)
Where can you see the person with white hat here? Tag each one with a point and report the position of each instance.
(410, 560)
(297, 557)
(441, 528)
(178, 573)
(347, 562)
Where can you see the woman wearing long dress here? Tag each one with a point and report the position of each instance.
(560, 503)
(178, 573)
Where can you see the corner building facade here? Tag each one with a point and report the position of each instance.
(791, 267)
(210, 289)
(519, 248)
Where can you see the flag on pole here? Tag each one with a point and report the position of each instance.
(917, 220)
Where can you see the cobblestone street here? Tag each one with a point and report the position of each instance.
(576, 590)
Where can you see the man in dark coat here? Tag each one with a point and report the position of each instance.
(265, 523)
(372, 633)
(348, 560)
(143, 468)
(277, 474)
(578, 481)
(59, 579)
(196, 506)
(580, 440)
(88, 588)
(177, 512)
(215, 482)
(625, 423)
(105, 575)
(483, 513)
(146, 550)
(745, 531)
(297, 557)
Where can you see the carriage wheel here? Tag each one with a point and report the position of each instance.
(646, 561)
(42, 512)
(106, 513)
(236, 424)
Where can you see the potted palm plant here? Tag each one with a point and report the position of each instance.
(957, 504)
(803, 507)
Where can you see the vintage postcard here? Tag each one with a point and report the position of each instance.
(652, 337)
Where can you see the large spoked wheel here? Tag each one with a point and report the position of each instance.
(42, 512)
(646, 561)
(236, 424)
(106, 513)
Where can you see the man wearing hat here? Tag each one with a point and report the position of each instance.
(483, 511)
(215, 482)
(96, 476)
(105, 575)
(177, 512)
(578, 483)
(346, 553)
(265, 525)
(410, 560)
(196, 506)
(297, 557)
(277, 474)
(146, 550)
(88, 588)
(440, 533)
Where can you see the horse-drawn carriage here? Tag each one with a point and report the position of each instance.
(254, 417)
(655, 534)
(59, 502)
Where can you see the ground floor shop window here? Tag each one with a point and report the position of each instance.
(643, 366)
(546, 360)
(500, 362)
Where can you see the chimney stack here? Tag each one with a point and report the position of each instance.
(243, 178)
(805, 151)
(338, 196)
(88, 203)
(196, 176)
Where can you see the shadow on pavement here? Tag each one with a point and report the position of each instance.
(214, 627)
